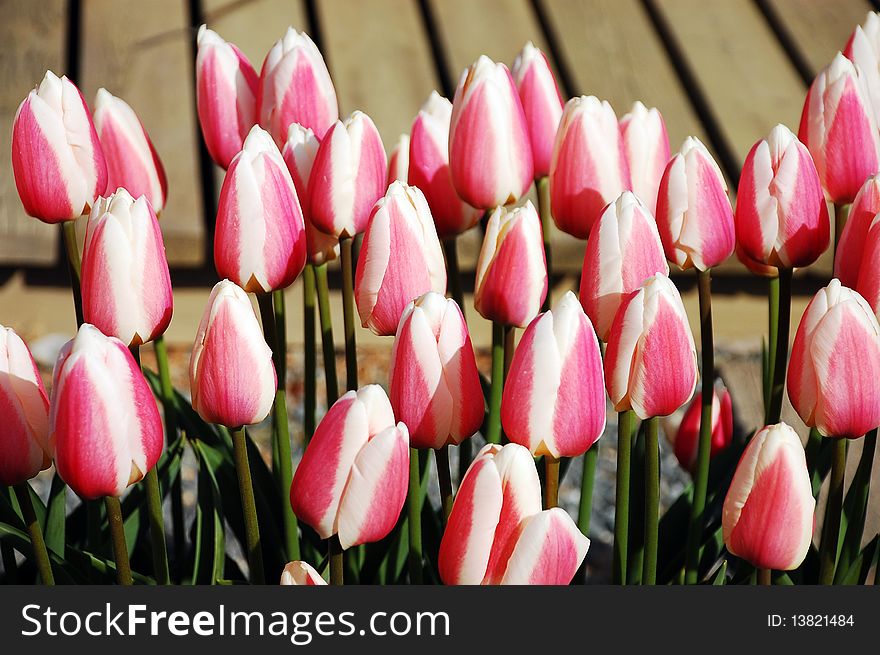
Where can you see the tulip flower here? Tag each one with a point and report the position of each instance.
(863, 50)
(398, 162)
(126, 286)
(434, 383)
(781, 215)
(104, 424)
(511, 280)
(868, 281)
(295, 87)
(226, 96)
(352, 479)
(554, 399)
(589, 167)
(694, 216)
(489, 151)
(301, 574)
(839, 127)
(647, 150)
(429, 168)
(231, 374)
(260, 239)
(57, 160)
(400, 259)
(541, 103)
(767, 517)
(849, 265)
(835, 362)
(623, 250)
(651, 360)
(24, 446)
(348, 176)
(686, 440)
(132, 161)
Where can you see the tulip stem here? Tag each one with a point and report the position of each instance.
(310, 363)
(588, 478)
(833, 510)
(351, 367)
(493, 429)
(840, 215)
(68, 233)
(652, 500)
(551, 481)
(117, 535)
(169, 409)
(542, 186)
(41, 554)
(444, 477)
(453, 275)
(337, 561)
(780, 315)
(327, 345)
(248, 505)
(704, 448)
(465, 453)
(621, 504)
(414, 509)
(765, 577)
(855, 505)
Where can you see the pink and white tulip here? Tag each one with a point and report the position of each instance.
(767, 518)
(694, 216)
(434, 382)
(24, 445)
(863, 50)
(132, 161)
(353, 476)
(295, 87)
(260, 241)
(623, 251)
(651, 359)
(849, 264)
(400, 259)
(589, 167)
(687, 438)
(511, 281)
(104, 425)
(554, 398)
(231, 374)
(489, 151)
(835, 362)
(868, 282)
(348, 176)
(126, 286)
(226, 95)
(300, 573)
(57, 160)
(647, 150)
(398, 162)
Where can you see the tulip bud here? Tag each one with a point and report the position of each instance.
(781, 215)
(353, 476)
(57, 160)
(838, 126)
(348, 176)
(694, 216)
(651, 359)
(687, 438)
(299, 154)
(868, 283)
(623, 251)
(429, 168)
(434, 383)
(231, 374)
(400, 259)
(132, 161)
(589, 167)
(511, 279)
(398, 162)
(295, 87)
(226, 96)
(104, 423)
(541, 103)
(767, 517)
(849, 263)
(301, 574)
(489, 152)
(863, 50)
(647, 151)
(24, 444)
(554, 399)
(835, 363)
(126, 286)
(259, 241)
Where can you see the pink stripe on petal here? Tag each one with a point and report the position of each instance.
(548, 552)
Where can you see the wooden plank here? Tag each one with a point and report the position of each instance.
(142, 52)
(34, 38)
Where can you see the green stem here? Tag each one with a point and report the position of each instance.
(310, 363)
(337, 561)
(621, 504)
(444, 477)
(351, 367)
(833, 510)
(542, 186)
(772, 334)
(248, 505)
(493, 430)
(765, 577)
(414, 509)
(68, 233)
(169, 409)
(855, 506)
(327, 345)
(588, 478)
(780, 352)
(117, 536)
(813, 451)
(551, 481)
(652, 501)
(41, 554)
(453, 274)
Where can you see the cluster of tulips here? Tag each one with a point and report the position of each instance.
(303, 188)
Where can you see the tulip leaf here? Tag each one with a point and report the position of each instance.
(857, 572)
(210, 537)
(855, 509)
(720, 577)
(54, 529)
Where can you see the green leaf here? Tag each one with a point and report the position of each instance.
(720, 577)
(210, 538)
(54, 530)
